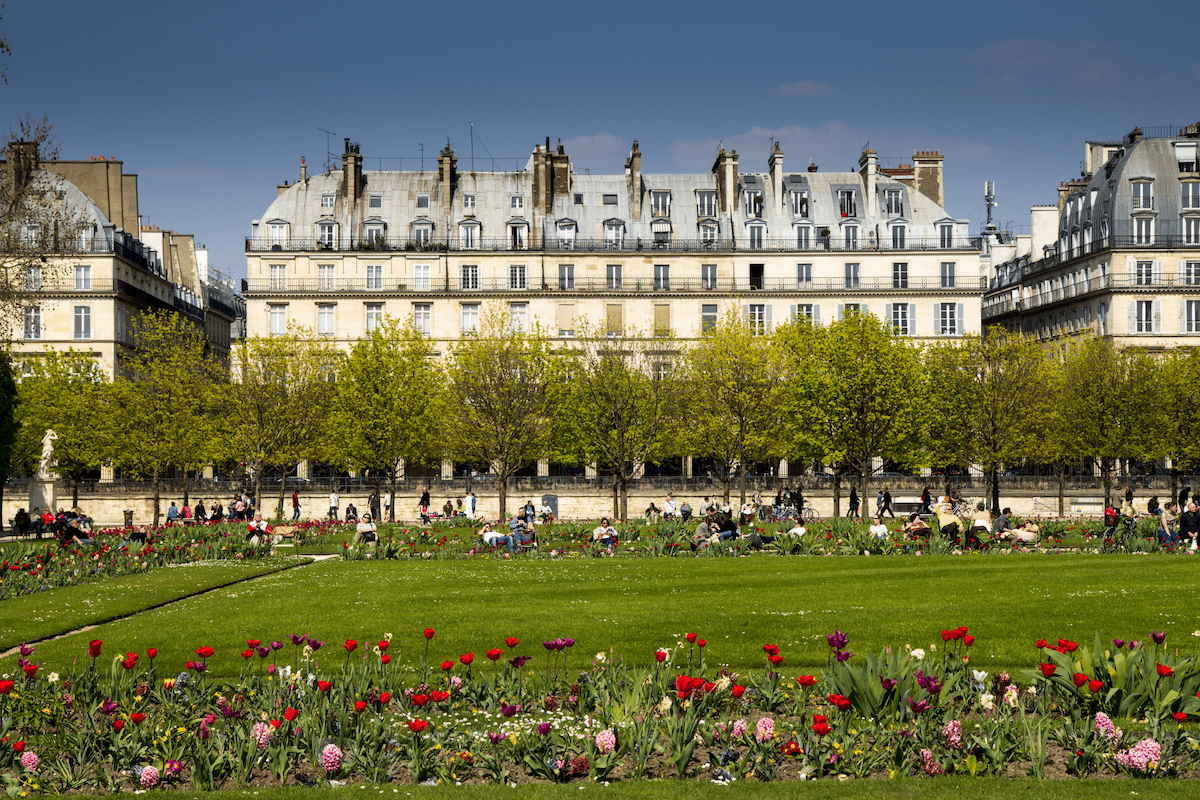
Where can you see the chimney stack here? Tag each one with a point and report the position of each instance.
(775, 163)
(303, 171)
(927, 171)
(447, 176)
(22, 161)
(351, 172)
(725, 168)
(868, 169)
(633, 181)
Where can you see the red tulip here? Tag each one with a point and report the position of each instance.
(660, 656)
(738, 690)
(1180, 716)
(691, 637)
(247, 653)
(1095, 686)
(18, 745)
(945, 636)
(94, 648)
(253, 642)
(467, 658)
(1079, 678)
(324, 686)
(385, 698)
(806, 680)
(494, 654)
(438, 696)
(6, 687)
(118, 724)
(770, 649)
(350, 645)
(151, 653)
(1164, 671)
(137, 717)
(275, 723)
(775, 660)
(1040, 643)
(31, 670)
(419, 700)
(290, 714)
(1047, 669)
(839, 702)
(1067, 646)
(512, 642)
(428, 633)
(417, 725)
(701, 643)
(968, 640)
(385, 658)
(360, 706)
(821, 728)
(383, 644)
(205, 652)
(447, 665)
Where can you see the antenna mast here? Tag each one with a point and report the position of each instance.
(472, 147)
(989, 199)
(328, 152)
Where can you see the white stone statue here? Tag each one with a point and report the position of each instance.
(47, 454)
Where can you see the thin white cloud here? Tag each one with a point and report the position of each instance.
(805, 88)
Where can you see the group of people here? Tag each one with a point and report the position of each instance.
(239, 508)
(70, 527)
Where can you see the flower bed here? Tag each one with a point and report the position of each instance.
(303, 711)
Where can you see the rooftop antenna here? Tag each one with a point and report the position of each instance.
(989, 199)
(472, 147)
(328, 152)
(422, 155)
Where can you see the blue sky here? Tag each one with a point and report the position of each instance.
(214, 103)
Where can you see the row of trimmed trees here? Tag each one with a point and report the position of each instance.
(846, 396)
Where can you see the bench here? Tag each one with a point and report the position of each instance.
(284, 532)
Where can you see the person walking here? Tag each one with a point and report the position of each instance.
(373, 504)
(295, 506)
(887, 503)
(334, 502)
(853, 510)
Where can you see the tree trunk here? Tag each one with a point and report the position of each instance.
(1106, 478)
(258, 489)
(502, 487)
(283, 490)
(616, 490)
(837, 493)
(1174, 482)
(624, 501)
(187, 484)
(994, 476)
(742, 473)
(156, 498)
(392, 505)
(75, 494)
(1062, 486)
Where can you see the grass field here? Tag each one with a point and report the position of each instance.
(637, 605)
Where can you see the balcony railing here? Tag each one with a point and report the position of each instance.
(1004, 304)
(626, 245)
(603, 285)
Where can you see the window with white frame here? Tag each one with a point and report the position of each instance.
(516, 237)
(850, 237)
(947, 234)
(800, 204)
(520, 316)
(422, 234)
(468, 203)
(468, 236)
(851, 308)
(1191, 273)
(1144, 273)
(948, 321)
(517, 277)
(327, 201)
(422, 277)
(898, 237)
(613, 276)
(277, 319)
(708, 317)
(566, 235)
(662, 277)
(566, 276)
(754, 202)
(325, 276)
(948, 274)
(1144, 323)
(1143, 230)
(614, 233)
(758, 318)
(708, 235)
(327, 235)
(468, 277)
(708, 276)
(900, 321)
(1191, 230)
(517, 203)
(660, 204)
(803, 238)
(33, 278)
(278, 274)
(423, 318)
(1143, 195)
(895, 202)
(470, 318)
(376, 201)
(803, 311)
(804, 275)
(846, 203)
(1192, 311)
(83, 277)
(1191, 195)
(422, 201)
(277, 234)
(757, 234)
(33, 322)
(374, 276)
(852, 276)
(325, 321)
(706, 204)
(374, 316)
(373, 233)
(900, 275)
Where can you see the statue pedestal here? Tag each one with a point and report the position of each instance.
(43, 494)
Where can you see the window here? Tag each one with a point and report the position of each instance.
(800, 204)
(948, 321)
(517, 203)
(278, 276)
(1191, 230)
(613, 276)
(804, 275)
(900, 320)
(758, 318)
(706, 204)
(326, 201)
(610, 199)
(754, 203)
(850, 237)
(519, 313)
(326, 235)
(421, 235)
(423, 318)
(375, 276)
(566, 276)
(1191, 195)
(422, 201)
(470, 318)
(373, 234)
(756, 237)
(374, 316)
(708, 235)
(852, 279)
(468, 202)
(895, 205)
(660, 204)
(659, 370)
(900, 275)
(708, 317)
(947, 274)
(1144, 273)
(898, 237)
(566, 235)
(421, 277)
(614, 315)
(1142, 195)
(708, 276)
(325, 324)
(614, 234)
(376, 201)
(277, 320)
(1143, 231)
(851, 308)
(325, 276)
(83, 277)
(33, 278)
(277, 235)
(517, 277)
(33, 322)
(516, 237)
(1144, 322)
(566, 320)
(468, 277)
(846, 203)
(1193, 317)
(803, 311)
(803, 238)
(662, 319)
(1191, 273)
(662, 238)
(468, 236)
(662, 277)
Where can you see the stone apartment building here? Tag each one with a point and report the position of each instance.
(1118, 256)
(625, 253)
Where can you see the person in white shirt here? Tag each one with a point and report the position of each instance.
(334, 502)
(494, 538)
(878, 530)
(668, 509)
(798, 529)
(544, 513)
(605, 534)
(366, 531)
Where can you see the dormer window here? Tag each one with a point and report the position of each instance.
(708, 235)
(373, 233)
(660, 204)
(614, 233)
(754, 202)
(757, 233)
(1191, 195)
(566, 234)
(1143, 196)
(895, 202)
(1185, 155)
(326, 203)
(277, 234)
(898, 237)
(517, 203)
(327, 235)
(800, 204)
(706, 204)
(846, 203)
(422, 233)
(469, 204)
(468, 236)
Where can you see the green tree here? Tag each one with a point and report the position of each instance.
(1181, 386)
(734, 386)
(163, 393)
(273, 411)
(621, 398)
(388, 404)
(500, 415)
(69, 394)
(9, 425)
(854, 392)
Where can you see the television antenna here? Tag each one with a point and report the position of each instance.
(328, 152)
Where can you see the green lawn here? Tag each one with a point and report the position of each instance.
(637, 605)
(68, 608)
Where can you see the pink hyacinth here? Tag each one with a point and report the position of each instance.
(739, 729)
(930, 762)
(1104, 725)
(30, 761)
(331, 758)
(1140, 756)
(261, 733)
(606, 741)
(149, 777)
(765, 730)
(952, 733)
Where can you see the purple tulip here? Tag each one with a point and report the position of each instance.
(1158, 637)
(837, 640)
(276, 645)
(918, 707)
(298, 640)
(315, 645)
(108, 707)
(842, 655)
(568, 642)
(887, 683)
(1119, 643)
(508, 711)
(495, 737)
(544, 728)
(22, 663)
(519, 661)
(549, 645)
(263, 651)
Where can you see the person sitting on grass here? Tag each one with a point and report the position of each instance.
(878, 529)
(1025, 533)
(72, 533)
(366, 531)
(605, 534)
(652, 513)
(257, 530)
(915, 527)
(522, 531)
(703, 532)
(726, 528)
(493, 538)
(351, 513)
(798, 529)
